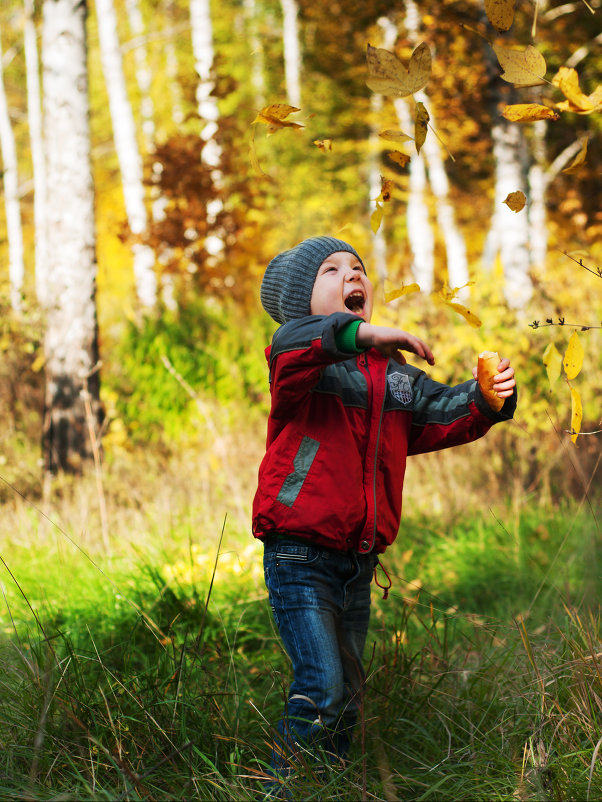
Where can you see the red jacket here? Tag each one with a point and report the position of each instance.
(339, 431)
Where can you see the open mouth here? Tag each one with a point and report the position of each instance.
(355, 302)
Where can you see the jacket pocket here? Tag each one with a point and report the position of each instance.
(302, 462)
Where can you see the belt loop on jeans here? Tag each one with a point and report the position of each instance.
(385, 588)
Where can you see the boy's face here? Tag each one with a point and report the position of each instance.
(342, 286)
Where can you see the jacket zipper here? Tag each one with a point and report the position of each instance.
(364, 362)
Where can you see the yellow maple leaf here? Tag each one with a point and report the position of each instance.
(500, 13)
(399, 158)
(405, 289)
(528, 113)
(521, 67)
(420, 125)
(274, 116)
(553, 361)
(576, 413)
(573, 358)
(579, 159)
(516, 200)
(395, 136)
(567, 80)
(388, 76)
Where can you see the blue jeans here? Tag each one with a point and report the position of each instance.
(321, 604)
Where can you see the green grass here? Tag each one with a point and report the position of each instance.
(147, 675)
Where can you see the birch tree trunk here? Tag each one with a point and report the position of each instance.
(14, 232)
(128, 154)
(143, 73)
(257, 80)
(202, 46)
(34, 114)
(71, 343)
(292, 51)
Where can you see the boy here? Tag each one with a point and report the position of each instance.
(346, 411)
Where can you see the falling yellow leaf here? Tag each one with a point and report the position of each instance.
(386, 189)
(448, 294)
(576, 413)
(388, 76)
(395, 136)
(405, 289)
(420, 125)
(521, 67)
(376, 217)
(399, 158)
(469, 316)
(323, 144)
(500, 13)
(528, 113)
(38, 363)
(553, 361)
(579, 159)
(567, 80)
(274, 117)
(573, 358)
(516, 200)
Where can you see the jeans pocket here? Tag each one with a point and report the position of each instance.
(289, 551)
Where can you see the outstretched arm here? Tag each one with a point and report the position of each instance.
(392, 342)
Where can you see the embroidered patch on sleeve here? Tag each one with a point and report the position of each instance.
(400, 386)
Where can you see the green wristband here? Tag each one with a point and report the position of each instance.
(345, 338)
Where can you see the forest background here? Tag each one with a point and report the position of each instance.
(138, 655)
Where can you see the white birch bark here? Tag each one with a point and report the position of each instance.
(71, 347)
(256, 54)
(509, 231)
(292, 51)
(202, 47)
(128, 153)
(143, 73)
(420, 232)
(34, 115)
(14, 232)
(455, 247)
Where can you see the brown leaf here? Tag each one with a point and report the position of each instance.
(420, 125)
(516, 201)
(323, 144)
(274, 117)
(528, 113)
(388, 76)
(398, 157)
(395, 136)
(500, 13)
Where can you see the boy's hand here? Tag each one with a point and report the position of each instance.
(504, 382)
(392, 342)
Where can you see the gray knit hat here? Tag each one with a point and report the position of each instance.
(289, 278)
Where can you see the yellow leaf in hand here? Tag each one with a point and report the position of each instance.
(573, 358)
(516, 201)
(405, 289)
(576, 413)
(376, 217)
(579, 159)
(553, 361)
(500, 13)
(521, 67)
(388, 76)
(420, 125)
(528, 113)
(399, 158)
(567, 80)
(274, 117)
(395, 136)
(466, 314)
